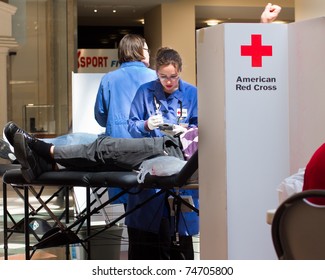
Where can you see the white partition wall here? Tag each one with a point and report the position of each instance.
(244, 136)
(307, 89)
(84, 92)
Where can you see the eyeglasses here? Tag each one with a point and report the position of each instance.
(172, 78)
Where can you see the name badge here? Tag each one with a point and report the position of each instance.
(183, 114)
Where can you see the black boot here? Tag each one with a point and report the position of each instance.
(10, 130)
(32, 165)
(40, 147)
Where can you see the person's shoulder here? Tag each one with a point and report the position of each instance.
(148, 85)
(187, 86)
(111, 74)
(151, 83)
(149, 70)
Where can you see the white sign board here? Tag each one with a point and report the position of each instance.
(97, 60)
(84, 92)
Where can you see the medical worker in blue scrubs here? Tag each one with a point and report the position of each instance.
(118, 88)
(171, 100)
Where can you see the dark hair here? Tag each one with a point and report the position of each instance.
(131, 48)
(166, 56)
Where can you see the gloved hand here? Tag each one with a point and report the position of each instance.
(154, 121)
(177, 130)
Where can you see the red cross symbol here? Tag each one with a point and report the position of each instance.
(256, 50)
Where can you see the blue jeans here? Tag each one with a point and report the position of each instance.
(72, 139)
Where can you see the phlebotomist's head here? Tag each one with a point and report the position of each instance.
(168, 67)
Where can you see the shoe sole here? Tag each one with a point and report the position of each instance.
(6, 140)
(4, 149)
(21, 155)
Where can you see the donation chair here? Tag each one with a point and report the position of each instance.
(65, 233)
(298, 227)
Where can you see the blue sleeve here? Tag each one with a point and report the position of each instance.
(191, 103)
(193, 121)
(101, 105)
(138, 115)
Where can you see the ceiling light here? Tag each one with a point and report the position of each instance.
(95, 11)
(212, 22)
(114, 11)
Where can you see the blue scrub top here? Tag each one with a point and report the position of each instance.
(115, 94)
(178, 107)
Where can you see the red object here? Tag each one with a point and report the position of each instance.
(315, 174)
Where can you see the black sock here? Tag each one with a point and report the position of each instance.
(42, 149)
